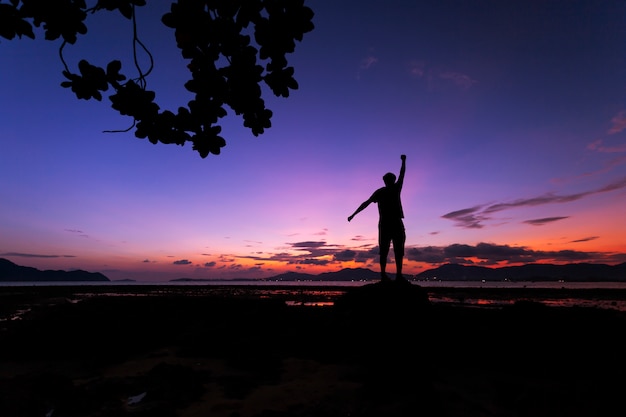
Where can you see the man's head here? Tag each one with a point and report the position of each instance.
(389, 179)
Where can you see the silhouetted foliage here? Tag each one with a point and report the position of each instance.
(226, 66)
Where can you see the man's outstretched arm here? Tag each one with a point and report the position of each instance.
(360, 209)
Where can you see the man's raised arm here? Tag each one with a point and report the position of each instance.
(402, 170)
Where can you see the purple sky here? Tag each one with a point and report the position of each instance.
(512, 115)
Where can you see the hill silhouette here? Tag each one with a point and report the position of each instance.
(347, 274)
(577, 272)
(13, 272)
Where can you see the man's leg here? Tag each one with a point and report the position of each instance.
(383, 248)
(384, 253)
(398, 252)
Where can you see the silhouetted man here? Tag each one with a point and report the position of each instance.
(390, 224)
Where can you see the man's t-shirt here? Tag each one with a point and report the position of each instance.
(389, 204)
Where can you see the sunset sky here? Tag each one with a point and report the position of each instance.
(512, 115)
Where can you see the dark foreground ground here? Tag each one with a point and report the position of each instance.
(378, 352)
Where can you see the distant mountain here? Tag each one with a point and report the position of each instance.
(12, 272)
(211, 279)
(348, 274)
(578, 272)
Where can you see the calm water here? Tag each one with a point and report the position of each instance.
(609, 295)
(425, 284)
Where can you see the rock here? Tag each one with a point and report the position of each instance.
(384, 298)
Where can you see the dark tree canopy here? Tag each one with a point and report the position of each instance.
(226, 65)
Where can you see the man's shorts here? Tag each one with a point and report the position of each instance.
(391, 231)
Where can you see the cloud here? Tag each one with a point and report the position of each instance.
(368, 62)
(210, 264)
(365, 255)
(481, 253)
(307, 244)
(618, 123)
(435, 76)
(545, 220)
(308, 253)
(182, 262)
(35, 255)
(365, 64)
(462, 80)
(492, 254)
(313, 253)
(547, 198)
(616, 185)
(76, 231)
(474, 217)
(417, 69)
(428, 254)
(312, 261)
(314, 249)
(607, 165)
(585, 239)
(468, 218)
(345, 255)
(598, 145)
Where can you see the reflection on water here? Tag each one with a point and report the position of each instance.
(614, 304)
(15, 315)
(310, 303)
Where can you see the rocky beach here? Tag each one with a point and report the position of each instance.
(376, 351)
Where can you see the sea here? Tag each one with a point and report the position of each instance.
(270, 283)
(479, 294)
